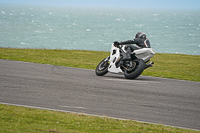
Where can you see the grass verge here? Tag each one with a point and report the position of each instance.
(176, 66)
(27, 120)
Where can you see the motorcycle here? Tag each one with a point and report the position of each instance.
(124, 60)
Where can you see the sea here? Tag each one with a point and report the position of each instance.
(87, 28)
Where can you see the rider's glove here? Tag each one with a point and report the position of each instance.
(116, 43)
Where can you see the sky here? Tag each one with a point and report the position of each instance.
(145, 4)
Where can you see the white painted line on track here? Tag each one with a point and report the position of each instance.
(34, 107)
(73, 107)
(89, 114)
(135, 81)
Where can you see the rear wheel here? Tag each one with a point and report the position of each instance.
(136, 70)
(102, 67)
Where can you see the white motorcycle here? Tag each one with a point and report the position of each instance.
(124, 60)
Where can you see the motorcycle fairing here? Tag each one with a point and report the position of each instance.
(144, 53)
(114, 55)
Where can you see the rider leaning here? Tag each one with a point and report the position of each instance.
(140, 40)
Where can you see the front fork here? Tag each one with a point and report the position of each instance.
(106, 61)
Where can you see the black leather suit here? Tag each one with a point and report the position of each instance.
(140, 42)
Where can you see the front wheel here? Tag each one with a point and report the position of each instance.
(102, 67)
(136, 71)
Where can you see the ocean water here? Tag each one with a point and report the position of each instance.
(169, 31)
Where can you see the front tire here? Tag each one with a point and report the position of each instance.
(133, 74)
(102, 68)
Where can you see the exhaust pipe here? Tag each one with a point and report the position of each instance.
(150, 64)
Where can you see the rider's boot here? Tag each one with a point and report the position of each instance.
(128, 53)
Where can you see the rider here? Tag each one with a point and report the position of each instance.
(140, 40)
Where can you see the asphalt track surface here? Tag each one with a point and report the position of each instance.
(147, 99)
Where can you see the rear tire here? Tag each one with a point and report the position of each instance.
(102, 68)
(139, 68)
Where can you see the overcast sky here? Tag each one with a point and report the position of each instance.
(180, 4)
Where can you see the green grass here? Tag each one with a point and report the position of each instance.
(176, 66)
(27, 120)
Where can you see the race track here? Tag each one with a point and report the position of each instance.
(148, 99)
